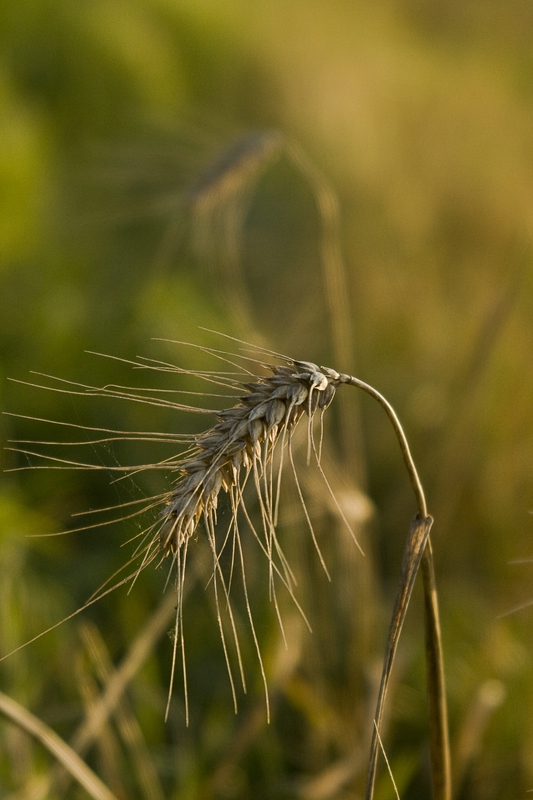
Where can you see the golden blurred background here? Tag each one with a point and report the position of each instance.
(349, 183)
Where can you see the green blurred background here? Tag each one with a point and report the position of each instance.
(166, 165)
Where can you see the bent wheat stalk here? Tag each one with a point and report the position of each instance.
(247, 445)
(246, 436)
(417, 550)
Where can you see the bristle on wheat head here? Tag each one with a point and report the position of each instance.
(244, 437)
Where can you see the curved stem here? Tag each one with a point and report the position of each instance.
(407, 457)
(418, 551)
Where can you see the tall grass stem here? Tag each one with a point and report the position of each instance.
(418, 551)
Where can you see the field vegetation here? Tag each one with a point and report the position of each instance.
(349, 184)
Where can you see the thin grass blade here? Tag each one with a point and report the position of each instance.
(414, 550)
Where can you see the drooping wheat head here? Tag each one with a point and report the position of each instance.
(244, 438)
(248, 444)
(240, 445)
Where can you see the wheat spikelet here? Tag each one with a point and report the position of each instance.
(249, 439)
(240, 445)
(247, 444)
(245, 437)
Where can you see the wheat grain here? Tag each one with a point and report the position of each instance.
(247, 444)
(245, 437)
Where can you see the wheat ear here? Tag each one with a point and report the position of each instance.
(245, 439)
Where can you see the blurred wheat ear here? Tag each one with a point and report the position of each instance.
(219, 200)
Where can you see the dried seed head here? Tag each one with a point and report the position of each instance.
(245, 436)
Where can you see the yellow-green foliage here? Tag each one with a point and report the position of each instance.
(420, 117)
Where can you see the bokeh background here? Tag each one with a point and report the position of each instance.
(345, 182)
